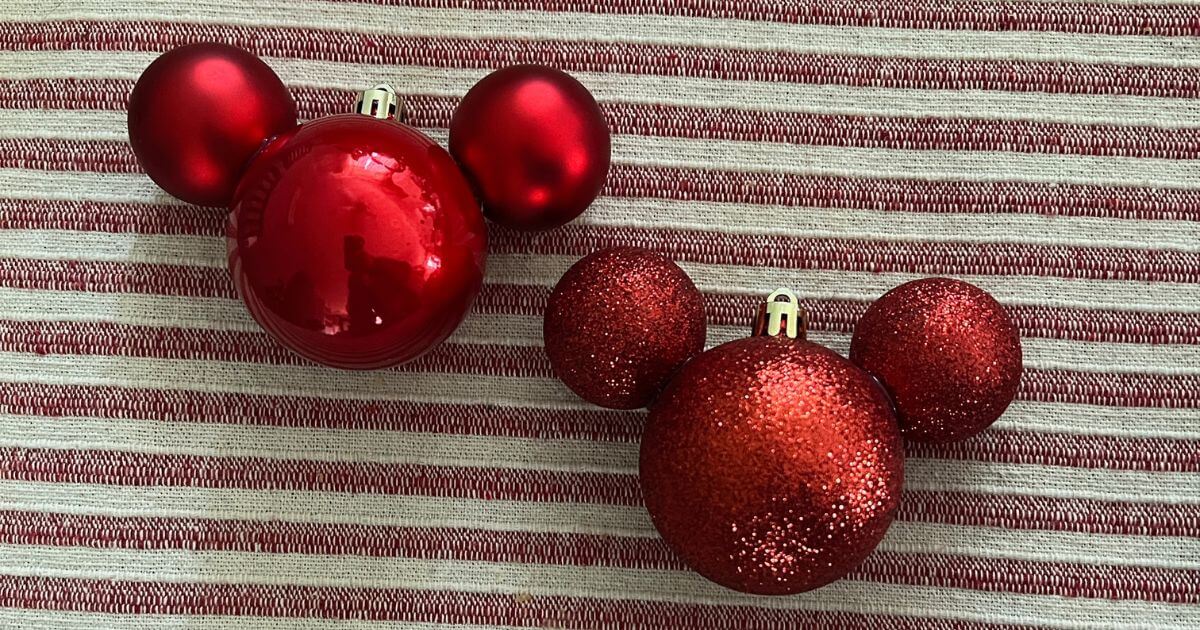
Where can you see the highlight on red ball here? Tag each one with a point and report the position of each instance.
(534, 145)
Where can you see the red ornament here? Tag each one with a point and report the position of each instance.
(772, 465)
(355, 240)
(947, 352)
(534, 144)
(199, 112)
(619, 323)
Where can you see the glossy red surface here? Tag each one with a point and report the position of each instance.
(772, 465)
(534, 144)
(948, 354)
(356, 242)
(199, 112)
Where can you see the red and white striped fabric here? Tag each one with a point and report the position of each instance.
(163, 464)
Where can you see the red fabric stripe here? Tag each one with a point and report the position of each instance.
(723, 309)
(256, 473)
(1061, 449)
(1093, 388)
(148, 469)
(301, 411)
(764, 188)
(903, 195)
(988, 574)
(1005, 259)
(949, 134)
(786, 252)
(101, 216)
(444, 606)
(1051, 513)
(104, 339)
(715, 63)
(1017, 15)
(52, 401)
(1085, 451)
(115, 277)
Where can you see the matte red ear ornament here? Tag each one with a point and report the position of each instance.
(534, 144)
(198, 113)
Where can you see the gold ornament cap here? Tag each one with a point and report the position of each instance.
(382, 102)
(781, 317)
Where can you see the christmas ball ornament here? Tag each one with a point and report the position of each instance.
(199, 112)
(619, 323)
(948, 354)
(534, 144)
(355, 240)
(771, 464)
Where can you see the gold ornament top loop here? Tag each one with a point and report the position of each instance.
(380, 101)
(785, 316)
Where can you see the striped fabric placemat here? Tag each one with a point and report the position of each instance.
(164, 464)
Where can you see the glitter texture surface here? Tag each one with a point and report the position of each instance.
(772, 465)
(619, 323)
(948, 354)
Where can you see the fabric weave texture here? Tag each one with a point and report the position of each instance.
(164, 464)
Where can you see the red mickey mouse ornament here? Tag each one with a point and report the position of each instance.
(356, 240)
(771, 464)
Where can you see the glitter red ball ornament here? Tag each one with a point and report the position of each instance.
(355, 240)
(619, 323)
(771, 464)
(199, 112)
(948, 354)
(534, 144)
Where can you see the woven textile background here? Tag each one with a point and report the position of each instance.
(163, 464)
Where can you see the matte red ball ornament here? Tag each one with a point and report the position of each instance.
(534, 144)
(948, 354)
(771, 464)
(199, 112)
(620, 323)
(355, 240)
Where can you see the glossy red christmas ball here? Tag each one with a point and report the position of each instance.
(948, 354)
(772, 465)
(619, 323)
(534, 144)
(199, 112)
(356, 242)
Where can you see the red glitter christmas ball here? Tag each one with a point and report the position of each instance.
(948, 354)
(619, 323)
(772, 465)
(199, 112)
(534, 144)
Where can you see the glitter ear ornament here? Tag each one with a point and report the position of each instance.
(948, 354)
(771, 464)
(620, 323)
